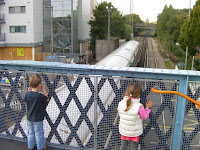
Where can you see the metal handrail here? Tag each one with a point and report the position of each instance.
(178, 93)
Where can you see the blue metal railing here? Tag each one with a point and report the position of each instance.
(111, 76)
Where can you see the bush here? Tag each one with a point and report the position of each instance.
(173, 57)
(168, 65)
(179, 52)
(170, 46)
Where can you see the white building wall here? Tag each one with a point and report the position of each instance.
(33, 14)
(92, 6)
(83, 19)
(38, 20)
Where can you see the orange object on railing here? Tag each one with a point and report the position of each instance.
(178, 93)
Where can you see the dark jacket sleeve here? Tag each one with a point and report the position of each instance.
(25, 99)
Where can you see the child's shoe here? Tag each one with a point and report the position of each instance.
(45, 148)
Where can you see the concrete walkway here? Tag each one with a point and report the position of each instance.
(13, 145)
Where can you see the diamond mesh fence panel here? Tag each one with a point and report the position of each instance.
(82, 110)
(190, 137)
(157, 129)
(12, 108)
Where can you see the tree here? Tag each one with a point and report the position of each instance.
(99, 25)
(136, 19)
(128, 30)
(168, 26)
(147, 20)
(117, 24)
(190, 31)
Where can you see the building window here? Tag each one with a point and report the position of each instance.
(14, 29)
(17, 10)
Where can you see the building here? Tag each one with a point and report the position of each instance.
(85, 13)
(92, 6)
(61, 21)
(21, 30)
(38, 29)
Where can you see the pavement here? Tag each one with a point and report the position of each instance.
(6, 144)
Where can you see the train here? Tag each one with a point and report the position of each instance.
(126, 55)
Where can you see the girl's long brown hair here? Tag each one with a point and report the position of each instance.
(133, 90)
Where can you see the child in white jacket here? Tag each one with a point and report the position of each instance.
(131, 113)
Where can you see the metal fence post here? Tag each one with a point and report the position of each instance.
(25, 82)
(95, 110)
(180, 113)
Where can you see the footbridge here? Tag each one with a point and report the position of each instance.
(82, 111)
(149, 26)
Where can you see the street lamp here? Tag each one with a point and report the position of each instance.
(109, 7)
(51, 26)
(131, 18)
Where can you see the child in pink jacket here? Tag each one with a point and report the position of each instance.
(131, 113)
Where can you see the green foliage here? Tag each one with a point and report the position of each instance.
(174, 25)
(197, 3)
(168, 65)
(178, 51)
(197, 67)
(99, 25)
(189, 62)
(168, 28)
(147, 20)
(117, 24)
(169, 24)
(136, 19)
(190, 31)
(127, 31)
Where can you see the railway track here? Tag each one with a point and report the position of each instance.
(150, 55)
(152, 62)
(143, 53)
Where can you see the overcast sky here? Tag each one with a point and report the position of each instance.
(148, 8)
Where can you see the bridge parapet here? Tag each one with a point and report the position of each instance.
(145, 25)
(82, 112)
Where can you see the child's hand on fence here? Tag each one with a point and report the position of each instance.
(29, 89)
(44, 90)
(149, 104)
(43, 87)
